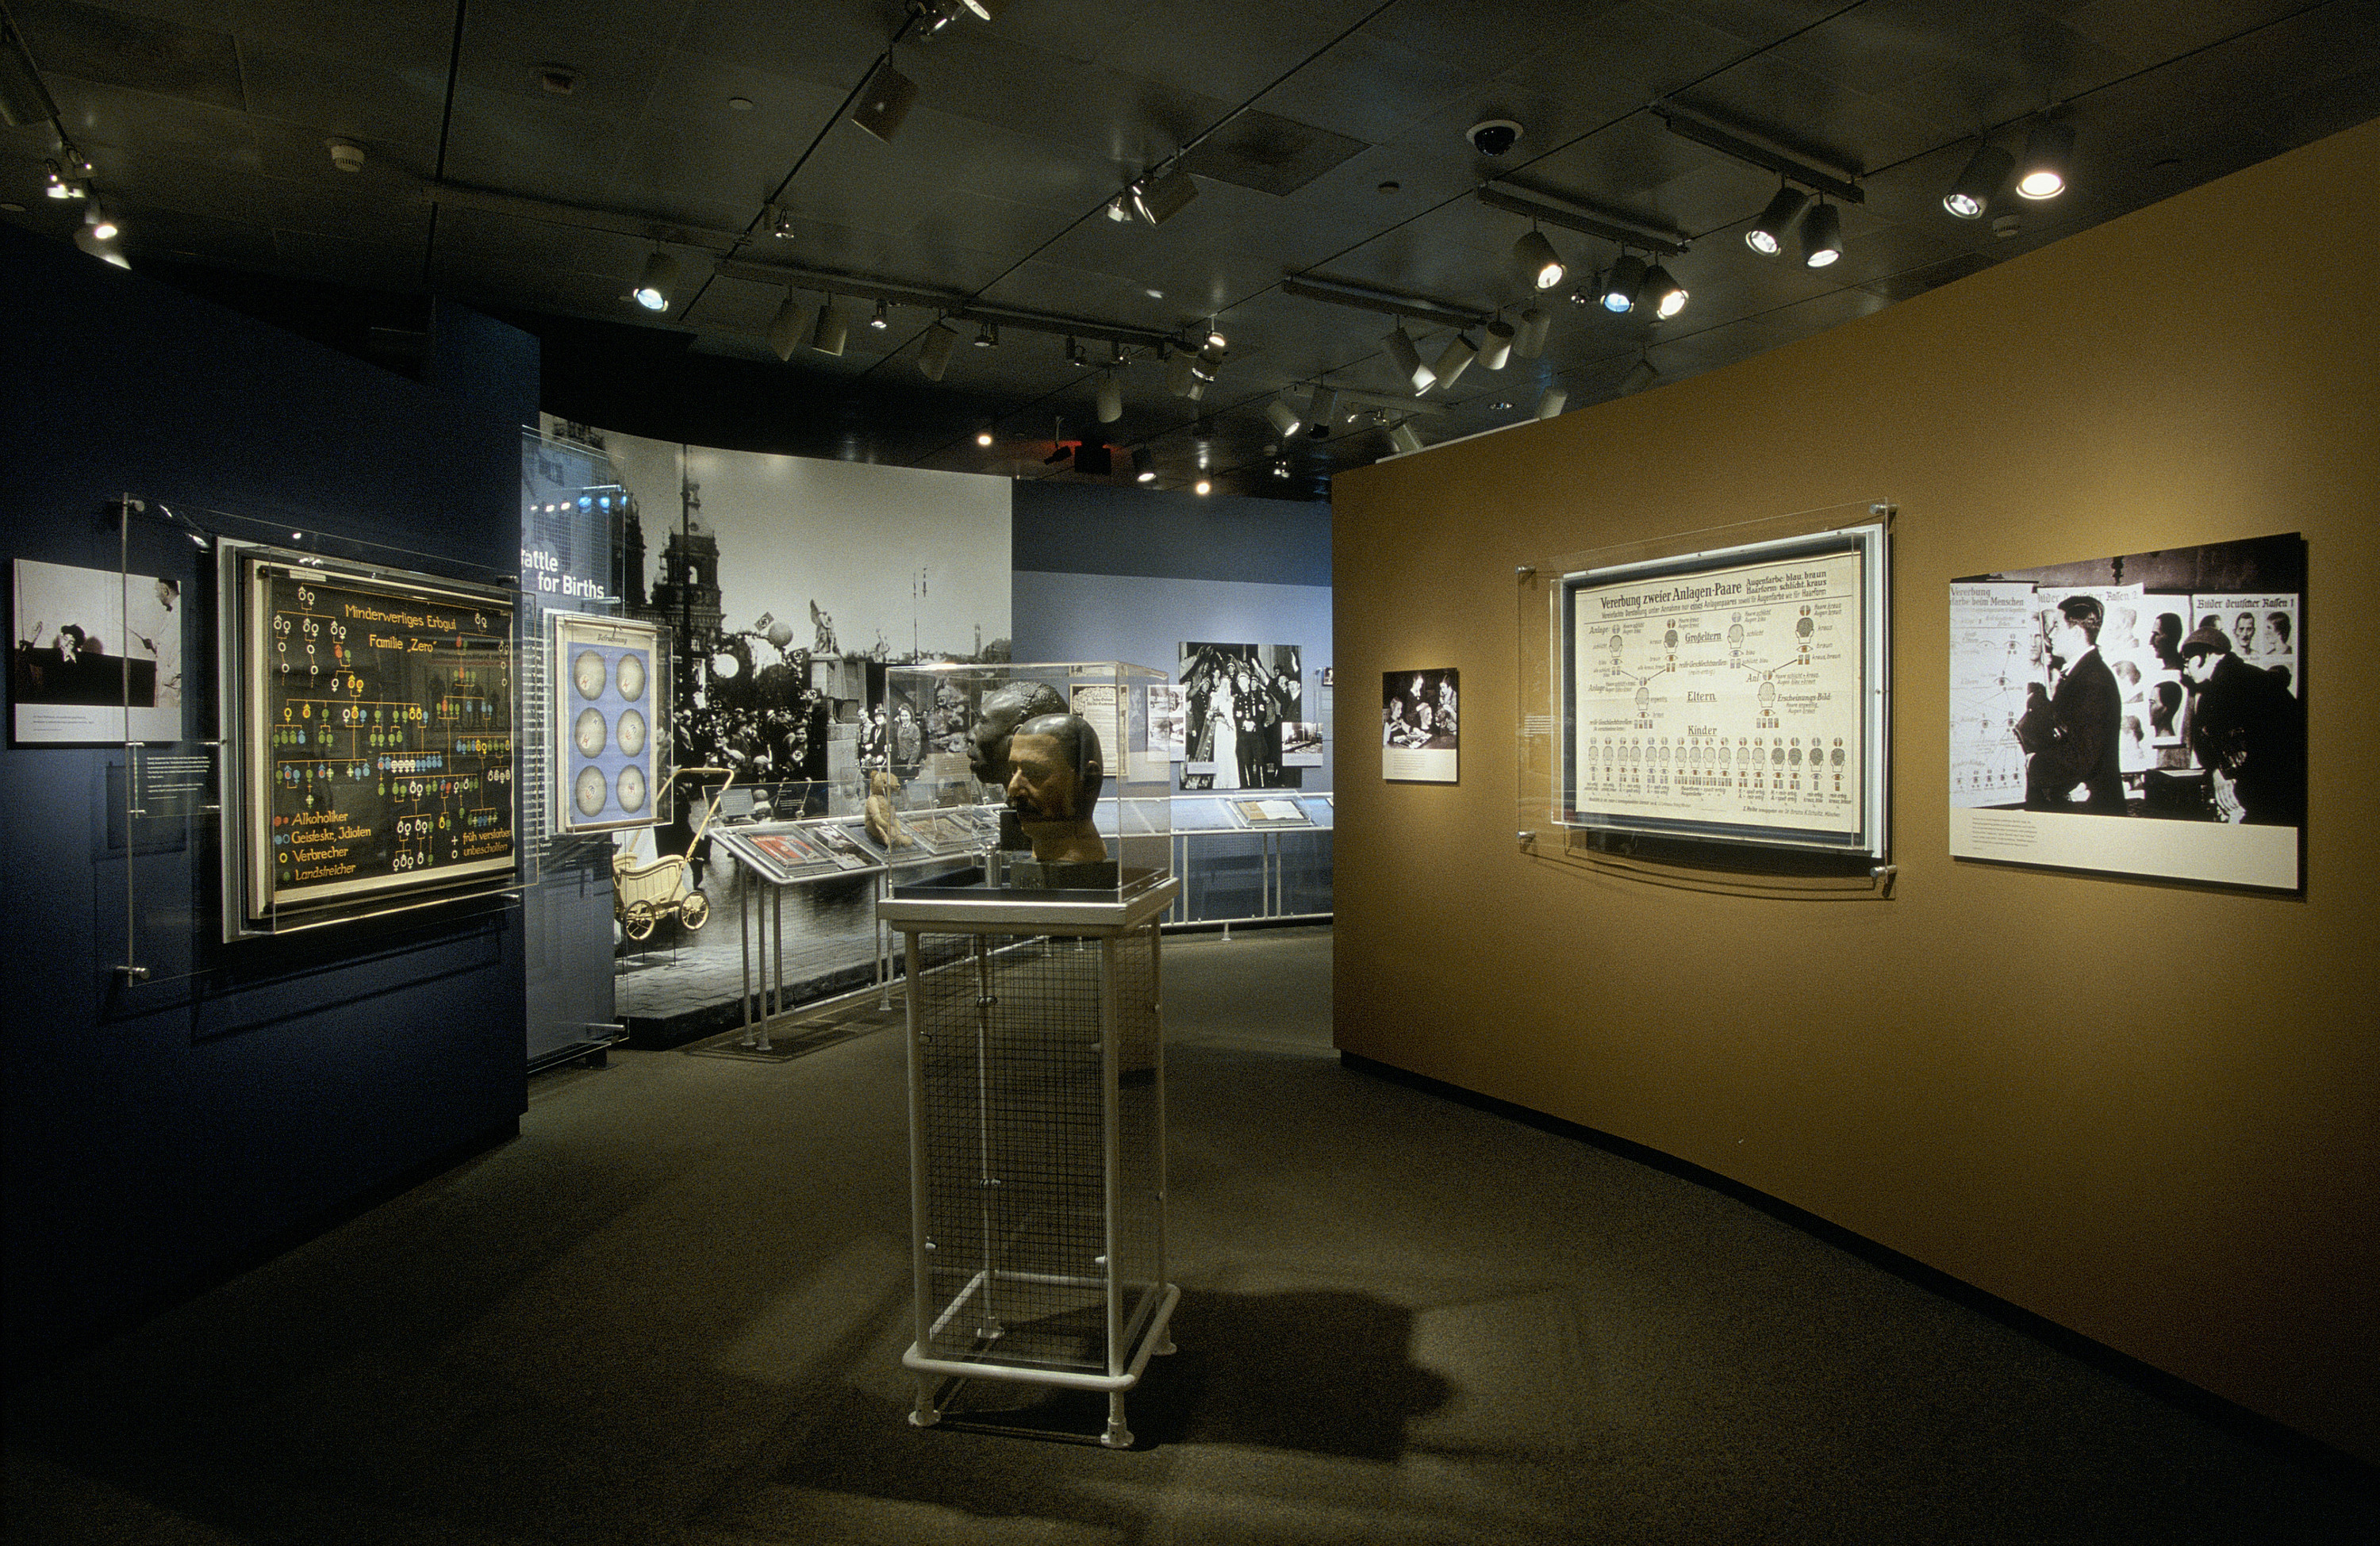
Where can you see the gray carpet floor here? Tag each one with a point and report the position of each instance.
(672, 1311)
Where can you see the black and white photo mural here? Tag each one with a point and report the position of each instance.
(1235, 697)
(2144, 714)
(789, 584)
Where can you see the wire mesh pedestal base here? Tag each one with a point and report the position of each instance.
(1037, 1140)
(939, 1379)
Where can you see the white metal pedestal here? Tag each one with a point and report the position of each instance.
(1037, 1142)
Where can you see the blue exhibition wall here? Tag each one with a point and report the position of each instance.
(161, 1132)
(1109, 573)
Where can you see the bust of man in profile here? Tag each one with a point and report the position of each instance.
(997, 721)
(1003, 711)
(1054, 774)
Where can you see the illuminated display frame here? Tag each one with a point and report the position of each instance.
(255, 902)
(1552, 594)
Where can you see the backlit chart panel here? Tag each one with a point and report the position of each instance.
(380, 752)
(1731, 695)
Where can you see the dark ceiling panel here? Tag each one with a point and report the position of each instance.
(359, 99)
(829, 47)
(2147, 30)
(508, 50)
(1129, 121)
(1371, 89)
(142, 53)
(1231, 49)
(1267, 152)
(1024, 129)
(560, 148)
(1639, 47)
(140, 124)
(1481, 38)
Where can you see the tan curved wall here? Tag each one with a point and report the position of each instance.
(2149, 1113)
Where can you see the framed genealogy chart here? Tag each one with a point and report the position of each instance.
(1733, 694)
(371, 718)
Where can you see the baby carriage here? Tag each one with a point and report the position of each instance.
(645, 891)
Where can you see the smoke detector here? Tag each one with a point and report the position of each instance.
(346, 157)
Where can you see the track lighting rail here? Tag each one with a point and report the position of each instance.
(1387, 302)
(1687, 123)
(1611, 228)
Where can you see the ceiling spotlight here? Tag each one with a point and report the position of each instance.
(1768, 233)
(653, 291)
(1203, 487)
(1617, 292)
(1181, 374)
(1496, 345)
(100, 248)
(1160, 195)
(884, 101)
(1322, 412)
(1120, 208)
(1111, 397)
(987, 336)
(1215, 339)
(1640, 376)
(834, 330)
(2042, 173)
(1407, 359)
(983, 437)
(1204, 364)
(1142, 471)
(1531, 342)
(1539, 260)
(1453, 361)
(788, 328)
(1284, 417)
(1822, 236)
(878, 322)
(1987, 170)
(986, 10)
(1667, 296)
(1553, 401)
(1060, 453)
(934, 353)
(1075, 355)
(781, 223)
(1403, 438)
(101, 223)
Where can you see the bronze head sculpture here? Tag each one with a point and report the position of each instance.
(1002, 712)
(1054, 774)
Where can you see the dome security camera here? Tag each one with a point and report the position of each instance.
(1493, 136)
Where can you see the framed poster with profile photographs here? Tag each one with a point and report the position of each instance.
(606, 731)
(2136, 714)
(1421, 726)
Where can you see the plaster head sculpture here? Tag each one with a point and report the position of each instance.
(1003, 711)
(1054, 774)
